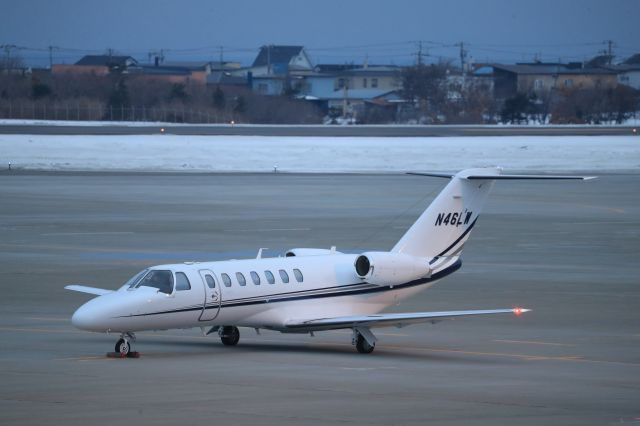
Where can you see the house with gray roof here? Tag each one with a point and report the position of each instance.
(540, 78)
(271, 71)
(280, 60)
(113, 62)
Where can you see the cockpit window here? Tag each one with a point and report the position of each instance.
(134, 280)
(182, 282)
(162, 280)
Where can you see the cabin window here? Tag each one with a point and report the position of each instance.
(226, 280)
(298, 275)
(182, 282)
(284, 276)
(255, 277)
(162, 280)
(364, 83)
(211, 283)
(270, 277)
(374, 82)
(241, 280)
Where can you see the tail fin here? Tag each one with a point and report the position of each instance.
(445, 225)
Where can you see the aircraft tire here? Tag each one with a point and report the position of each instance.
(230, 335)
(122, 347)
(363, 346)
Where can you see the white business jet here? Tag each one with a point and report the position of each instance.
(307, 290)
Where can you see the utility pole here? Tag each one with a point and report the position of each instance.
(463, 56)
(7, 51)
(269, 59)
(419, 53)
(609, 51)
(221, 56)
(51, 56)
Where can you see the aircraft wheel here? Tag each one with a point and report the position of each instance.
(123, 347)
(363, 346)
(229, 335)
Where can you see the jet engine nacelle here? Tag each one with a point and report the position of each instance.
(387, 268)
(310, 252)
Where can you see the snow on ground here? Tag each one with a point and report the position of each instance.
(316, 154)
(29, 122)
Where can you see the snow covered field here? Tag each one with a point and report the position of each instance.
(62, 123)
(316, 154)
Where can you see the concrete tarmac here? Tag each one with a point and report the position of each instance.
(317, 130)
(568, 250)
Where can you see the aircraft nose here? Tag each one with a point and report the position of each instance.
(87, 318)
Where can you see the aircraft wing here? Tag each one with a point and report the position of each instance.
(90, 290)
(391, 320)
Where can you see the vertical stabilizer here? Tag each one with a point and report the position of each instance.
(446, 224)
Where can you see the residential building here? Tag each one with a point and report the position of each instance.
(99, 65)
(628, 74)
(348, 89)
(539, 78)
(280, 60)
(271, 71)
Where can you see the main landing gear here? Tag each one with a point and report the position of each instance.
(229, 335)
(364, 340)
(123, 347)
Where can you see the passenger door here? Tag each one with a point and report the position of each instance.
(213, 296)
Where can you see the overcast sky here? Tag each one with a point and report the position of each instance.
(334, 31)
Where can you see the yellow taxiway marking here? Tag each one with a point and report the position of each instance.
(267, 230)
(84, 358)
(532, 342)
(59, 234)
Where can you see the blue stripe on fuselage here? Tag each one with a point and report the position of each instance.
(344, 292)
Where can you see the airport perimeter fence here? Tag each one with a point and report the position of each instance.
(96, 112)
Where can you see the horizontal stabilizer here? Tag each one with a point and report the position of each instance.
(89, 290)
(391, 320)
(526, 177)
(502, 176)
(439, 175)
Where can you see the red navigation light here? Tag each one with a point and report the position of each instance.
(517, 311)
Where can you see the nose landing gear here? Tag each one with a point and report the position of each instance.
(123, 347)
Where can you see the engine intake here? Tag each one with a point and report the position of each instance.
(387, 268)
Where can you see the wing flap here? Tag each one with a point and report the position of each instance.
(391, 320)
(89, 290)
